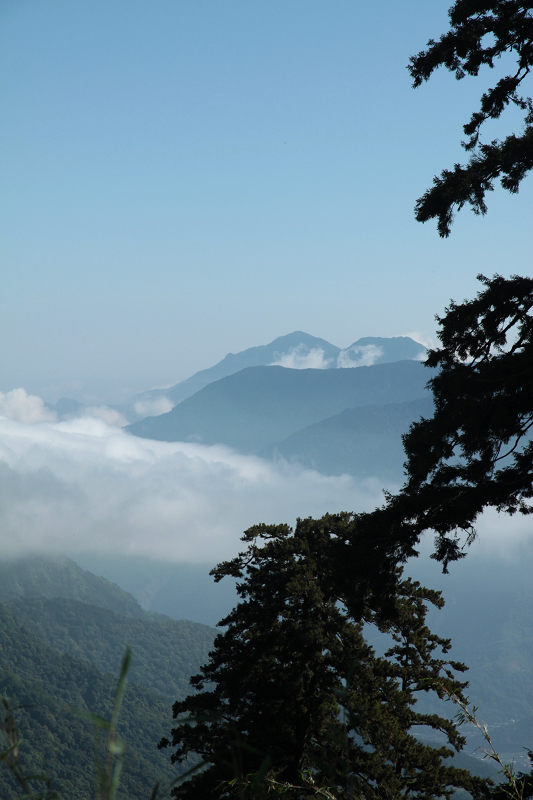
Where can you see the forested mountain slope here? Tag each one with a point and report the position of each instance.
(165, 654)
(58, 653)
(61, 577)
(43, 686)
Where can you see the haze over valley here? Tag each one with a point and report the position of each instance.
(154, 504)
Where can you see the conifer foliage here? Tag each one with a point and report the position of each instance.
(294, 702)
(476, 452)
(481, 32)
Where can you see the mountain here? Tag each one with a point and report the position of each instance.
(182, 591)
(59, 654)
(264, 355)
(378, 350)
(45, 595)
(299, 350)
(66, 408)
(164, 653)
(44, 686)
(363, 442)
(61, 577)
(260, 406)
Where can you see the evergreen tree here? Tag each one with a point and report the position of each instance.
(481, 32)
(476, 452)
(293, 699)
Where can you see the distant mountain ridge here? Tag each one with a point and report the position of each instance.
(260, 406)
(61, 577)
(364, 442)
(298, 349)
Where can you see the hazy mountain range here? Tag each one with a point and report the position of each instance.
(296, 350)
(298, 398)
(63, 628)
(302, 399)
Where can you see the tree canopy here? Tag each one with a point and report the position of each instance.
(476, 452)
(293, 699)
(481, 32)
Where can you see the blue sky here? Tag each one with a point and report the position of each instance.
(184, 179)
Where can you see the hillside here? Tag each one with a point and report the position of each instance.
(61, 577)
(58, 653)
(178, 590)
(165, 654)
(43, 686)
(260, 406)
(364, 442)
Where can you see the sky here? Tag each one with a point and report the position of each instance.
(183, 179)
(187, 179)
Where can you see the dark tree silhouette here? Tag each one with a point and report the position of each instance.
(476, 452)
(293, 699)
(480, 33)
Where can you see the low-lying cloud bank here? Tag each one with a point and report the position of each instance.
(359, 356)
(154, 407)
(83, 485)
(20, 406)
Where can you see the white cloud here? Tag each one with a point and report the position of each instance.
(23, 407)
(83, 485)
(429, 342)
(153, 408)
(301, 358)
(359, 356)
(501, 536)
(109, 415)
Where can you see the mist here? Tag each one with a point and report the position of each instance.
(87, 486)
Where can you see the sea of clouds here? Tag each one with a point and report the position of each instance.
(85, 485)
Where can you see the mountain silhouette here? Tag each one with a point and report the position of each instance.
(260, 406)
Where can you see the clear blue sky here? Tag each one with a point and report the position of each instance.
(185, 178)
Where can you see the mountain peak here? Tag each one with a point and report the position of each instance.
(296, 350)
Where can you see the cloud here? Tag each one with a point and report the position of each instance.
(23, 407)
(429, 342)
(84, 486)
(153, 408)
(301, 358)
(109, 415)
(359, 356)
(502, 537)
